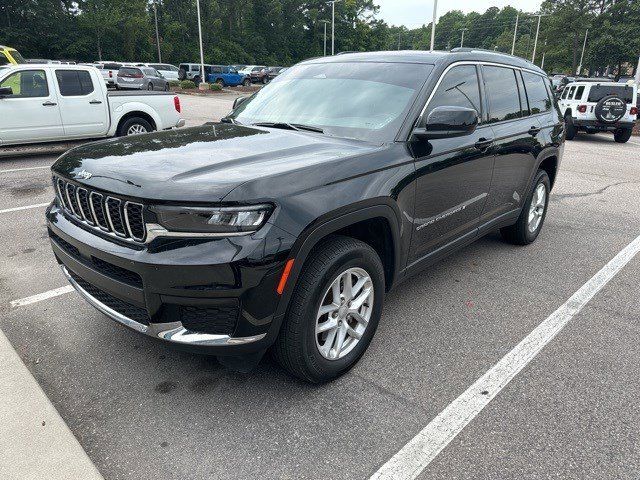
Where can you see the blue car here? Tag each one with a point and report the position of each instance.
(227, 76)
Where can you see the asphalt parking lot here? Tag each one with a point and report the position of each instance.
(142, 410)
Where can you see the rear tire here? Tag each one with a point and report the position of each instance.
(150, 86)
(622, 135)
(134, 126)
(569, 128)
(320, 357)
(246, 82)
(220, 82)
(534, 211)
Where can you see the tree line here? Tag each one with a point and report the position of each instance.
(283, 32)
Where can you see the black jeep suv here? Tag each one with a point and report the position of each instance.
(284, 225)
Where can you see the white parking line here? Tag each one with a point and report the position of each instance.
(26, 207)
(11, 170)
(41, 296)
(416, 455)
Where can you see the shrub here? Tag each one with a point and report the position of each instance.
(186, 84)
(174, 83)
(215, 87)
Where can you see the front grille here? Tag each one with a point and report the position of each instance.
(125, 219)
(137, 314)
(211, 319)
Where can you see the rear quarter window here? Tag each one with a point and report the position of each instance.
(537, 94)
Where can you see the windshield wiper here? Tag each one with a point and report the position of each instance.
(289, 126)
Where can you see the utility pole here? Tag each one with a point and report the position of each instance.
(638, 73)
(203, 78)
(535, 43)
(462, 39)
(325, 36)
(333, 26)
(155, 14)
(542, 63)
(433, 24)
(399, 38)
(584, 46)
(515, 33)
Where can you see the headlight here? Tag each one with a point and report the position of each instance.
(222, 220)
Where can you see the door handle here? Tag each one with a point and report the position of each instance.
(49, 104)
(483, 143)
(533, 131)
(95, 102)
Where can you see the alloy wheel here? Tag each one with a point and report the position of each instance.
(344, 313)
(136, 129)
(536, 209)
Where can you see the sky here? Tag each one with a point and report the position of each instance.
(415, 13)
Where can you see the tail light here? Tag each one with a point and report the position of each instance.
(633, 111)
(138, 75)
(582, 108)
(176, 103)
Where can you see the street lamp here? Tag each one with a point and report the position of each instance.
(325, 36)
(155, 14)
(203, 78)
(433, 24)
(333, 25)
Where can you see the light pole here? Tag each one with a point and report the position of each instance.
(535, 43)
(584, 46)
(433, 24)
(325, 36)
(155, 14)
(203, 78)
(515, 33)
(462, 39)
(333, 25)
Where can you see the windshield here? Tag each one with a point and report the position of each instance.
(365, 101)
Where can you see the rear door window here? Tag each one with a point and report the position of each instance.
(539, 100)
(458, 88)
(74, 83)
(502, 93)
(598, 92)
(571, 90)
(579, 93)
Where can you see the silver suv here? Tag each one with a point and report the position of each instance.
(141, 78)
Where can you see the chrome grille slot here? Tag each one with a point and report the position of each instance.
(83, 202)
(113, 215)
(97, 208)
(70, 190)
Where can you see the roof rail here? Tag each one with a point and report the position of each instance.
(484, 50)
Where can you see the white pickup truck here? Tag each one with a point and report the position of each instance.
(51, 103)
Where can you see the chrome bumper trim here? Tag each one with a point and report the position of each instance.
(180, 123)
(172, 332)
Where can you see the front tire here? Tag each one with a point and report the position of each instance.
(150, 86)
(529, 223)
(334, 310)
(246, 82)
(134, 126)
(622, 135)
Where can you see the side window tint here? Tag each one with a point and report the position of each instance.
(565, 91)
(27, 84)
(3, 59)
(74, 83)
(570, 96)
(539, 100)
(579, 93)
(502, 92)
(458, 88)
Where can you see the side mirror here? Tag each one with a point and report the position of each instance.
(6, 92)
(448, 122)
(239, 101)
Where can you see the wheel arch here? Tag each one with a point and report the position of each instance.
(377, 225)
(133, 114)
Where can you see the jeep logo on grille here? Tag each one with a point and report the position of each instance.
(83, 175)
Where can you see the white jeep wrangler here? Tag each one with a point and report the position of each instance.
(599, 106)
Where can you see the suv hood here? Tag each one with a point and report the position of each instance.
(202, 164)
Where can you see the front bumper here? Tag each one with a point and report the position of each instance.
(217, 296)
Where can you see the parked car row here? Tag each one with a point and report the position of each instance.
(229, 75)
